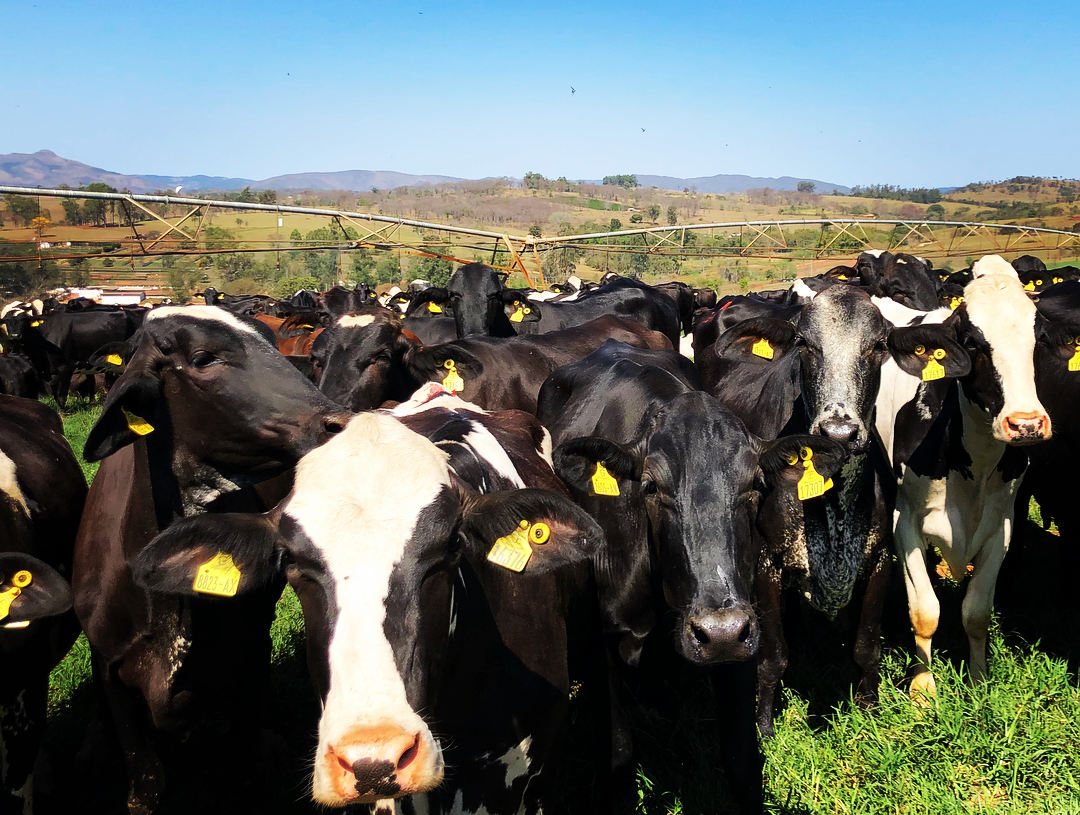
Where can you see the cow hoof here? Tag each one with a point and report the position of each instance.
(923, 690)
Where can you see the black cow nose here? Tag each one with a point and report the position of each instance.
(723, 635)
(841, 430)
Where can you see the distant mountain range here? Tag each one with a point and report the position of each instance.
(46, 169)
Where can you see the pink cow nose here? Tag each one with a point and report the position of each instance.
(1029, 426)
(380, 762)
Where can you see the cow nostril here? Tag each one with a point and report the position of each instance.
(408, 756)
(744, 632)
(700, 634)
(333, 426)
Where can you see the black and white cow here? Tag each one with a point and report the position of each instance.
(42, 490)
(441, 672)
(954, 448)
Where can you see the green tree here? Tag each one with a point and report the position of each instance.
(72, 212)
(935, 212)
(267, 197)
(388, 268)
(182, 282)
(235, 266)
(437, 270)
(363, 266)
(533, 181)
(22, 208)
(672, 215)
(653, 212)
(288, 286)
(636, 218)
(626, 180)
(246, 196)
(614, 225)
(535, 230)
(216, 237)
(805, 186)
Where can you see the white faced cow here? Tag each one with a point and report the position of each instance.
(953, 450)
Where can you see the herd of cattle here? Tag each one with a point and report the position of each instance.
(485, 497)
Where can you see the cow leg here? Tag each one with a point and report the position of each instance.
(772, 650)
(22, 717)
(868, 637)
(744, 763)
(923, 606)
(979, 596)
(130, 718)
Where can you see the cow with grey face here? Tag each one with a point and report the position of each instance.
(821, 375)
(443, 673)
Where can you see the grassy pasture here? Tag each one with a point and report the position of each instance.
(1011, 745)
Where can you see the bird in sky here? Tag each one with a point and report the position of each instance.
(642, 130)
(573, 90)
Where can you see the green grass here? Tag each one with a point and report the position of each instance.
(1009, 745)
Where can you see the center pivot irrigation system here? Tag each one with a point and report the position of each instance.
(772, 239)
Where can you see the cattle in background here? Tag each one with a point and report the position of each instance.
(206, 408)
(244, 305)
(1036, 277)
(956, 450)
(907, 279)
(367, 361)
(444, 675)
(339, 301)
(621, 297)
(821, 376)
(471, 298)
(18, 377)
(42, 490)
(704, 298)
(683, 296)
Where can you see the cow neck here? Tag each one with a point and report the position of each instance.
(181, 486)
(983, 449)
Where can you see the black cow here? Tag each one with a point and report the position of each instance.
(907, 279)
(472, 298)
(684, 298)
(339, 301)
(439, 633)
(821, 375)
(621, 297)
(42, 490)
(366, 361)
(205, 408)
(18, 377)
(674, 480)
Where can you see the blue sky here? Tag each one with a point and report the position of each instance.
(876, 92)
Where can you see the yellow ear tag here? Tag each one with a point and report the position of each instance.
(452, 381)
(812, 484)
(603, 482)
(513, 551)
(539, 532)
(518, 315)
(218, 575)
(841, 277)
(1030, 286)
(1058, 279)
(36, 323)
(934, 369)
(762, 349)
(955, 302)
(434, 308)
(19, 581)
(1074, 360)
(137, 424)
(114, 359)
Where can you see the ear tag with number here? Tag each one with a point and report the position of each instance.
(955, 302)
(603, 482)
(452, 381)
(218, 575)
(933, 368)
(434, 308)
(114, 359)
(762, 348)
(519, 314)
(137, 424)
(1030, 286)
(1074, 360)
(513, 551)
(19, 581)
(812, 484)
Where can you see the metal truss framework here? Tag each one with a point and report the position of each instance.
(838, 237)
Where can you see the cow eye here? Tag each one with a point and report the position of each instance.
(204, 359)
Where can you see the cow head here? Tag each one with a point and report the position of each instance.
(216, 387)
(697, 469)
(832, 358)
(999, 324)
(360, 360)
(30, 590)
(373, 538)
(474, 299)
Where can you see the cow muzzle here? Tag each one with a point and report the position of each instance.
(719, 635)
(368, 764)
(1025, 427)
(317, 430)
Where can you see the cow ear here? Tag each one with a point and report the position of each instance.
(759, 340)
(784, 460)
(578, 463)
(219, 554)
(128, 414)
(929, 352)
(528, 530)
(518, 308)
(434, 297)
(30, 590)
